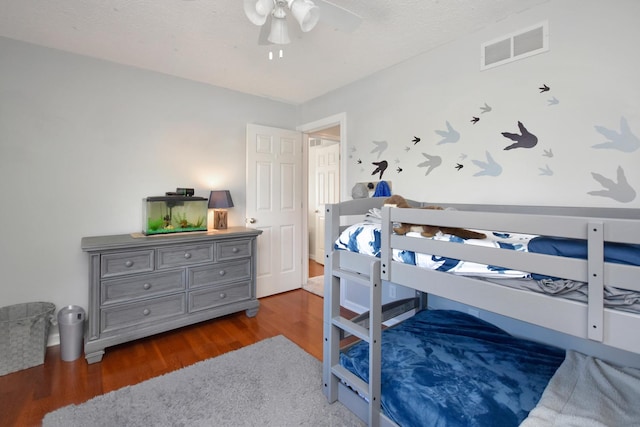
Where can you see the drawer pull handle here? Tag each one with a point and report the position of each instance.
(235, 250)
(128, 264)
(146, 311)
(223, 295)
(147, 286)
(222, 272)
(187, 255)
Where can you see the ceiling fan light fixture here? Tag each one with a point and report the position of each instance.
(279, 32)
(258, 11)
(306, 13)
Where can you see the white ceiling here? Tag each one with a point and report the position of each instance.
(212, 41)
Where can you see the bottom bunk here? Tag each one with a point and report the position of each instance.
(448, 368)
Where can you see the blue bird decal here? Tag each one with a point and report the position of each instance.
(489, 168)
(624, 140)
(448, 136)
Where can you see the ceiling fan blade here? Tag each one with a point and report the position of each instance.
(264, 33)
(337, 17)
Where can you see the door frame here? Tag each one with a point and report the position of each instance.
(306, 129)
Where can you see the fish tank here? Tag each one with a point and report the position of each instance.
(174, 214)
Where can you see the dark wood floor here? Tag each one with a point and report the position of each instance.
(26, 396)
(315, 269)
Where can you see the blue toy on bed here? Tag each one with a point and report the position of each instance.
(447, 368)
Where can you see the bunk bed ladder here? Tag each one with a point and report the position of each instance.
(338, 325)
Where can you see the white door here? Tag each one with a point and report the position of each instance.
(274, 205)
(327, 189)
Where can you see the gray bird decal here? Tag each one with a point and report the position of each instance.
(485, 109)
(546, 171)
(380, 147)
(381, 167)
(524, 139)
(431, 163)
(548, 153)
(620, 190)
(553, 101)
(489, 168)
(448, 136)
(624, 140)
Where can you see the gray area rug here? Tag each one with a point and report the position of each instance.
(271, 383)
(315, 285)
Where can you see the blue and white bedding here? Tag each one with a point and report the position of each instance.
(448, 368)
(364, 238)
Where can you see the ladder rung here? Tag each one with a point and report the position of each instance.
(352, 380)
(361, 279)
(351, 327)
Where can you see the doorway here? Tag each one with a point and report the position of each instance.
(324, 141)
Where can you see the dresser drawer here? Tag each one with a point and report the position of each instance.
(213, 297)
(141, 286)
(179, 256)
(121, 263)
(123, 316)
(233, 249)
(220, 273)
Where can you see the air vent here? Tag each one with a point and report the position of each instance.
(518, 45)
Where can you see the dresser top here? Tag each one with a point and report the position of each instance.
(122, 241)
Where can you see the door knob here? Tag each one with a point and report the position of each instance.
(251, 220)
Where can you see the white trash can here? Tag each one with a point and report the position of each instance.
(71, 325)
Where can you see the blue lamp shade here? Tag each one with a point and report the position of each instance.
(219, 201)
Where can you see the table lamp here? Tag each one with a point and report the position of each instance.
(219, 201)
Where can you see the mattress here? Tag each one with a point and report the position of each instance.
(448, 368)
(365, 238)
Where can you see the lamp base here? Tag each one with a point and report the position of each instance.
(219, 219)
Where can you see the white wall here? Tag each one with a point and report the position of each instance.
(83, 141)
(591, 68)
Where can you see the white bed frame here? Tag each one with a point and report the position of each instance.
(590, 321)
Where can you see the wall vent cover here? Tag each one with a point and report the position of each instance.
(521, 44)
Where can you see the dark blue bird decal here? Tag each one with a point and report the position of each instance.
(415, 140)
(381, 167)
(524, 139)
(459, 166)
(398, 169)
(544, 88)
(475, 120)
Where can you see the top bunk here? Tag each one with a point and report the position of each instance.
(596, 249)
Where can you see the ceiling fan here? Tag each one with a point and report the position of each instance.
(307, 13)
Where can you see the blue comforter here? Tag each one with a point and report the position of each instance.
(447, 368)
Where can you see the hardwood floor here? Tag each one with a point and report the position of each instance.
(315, 269)
(26, 396)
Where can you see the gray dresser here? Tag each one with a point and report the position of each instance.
(140, 286)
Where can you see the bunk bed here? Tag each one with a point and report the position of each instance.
(593, 234)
